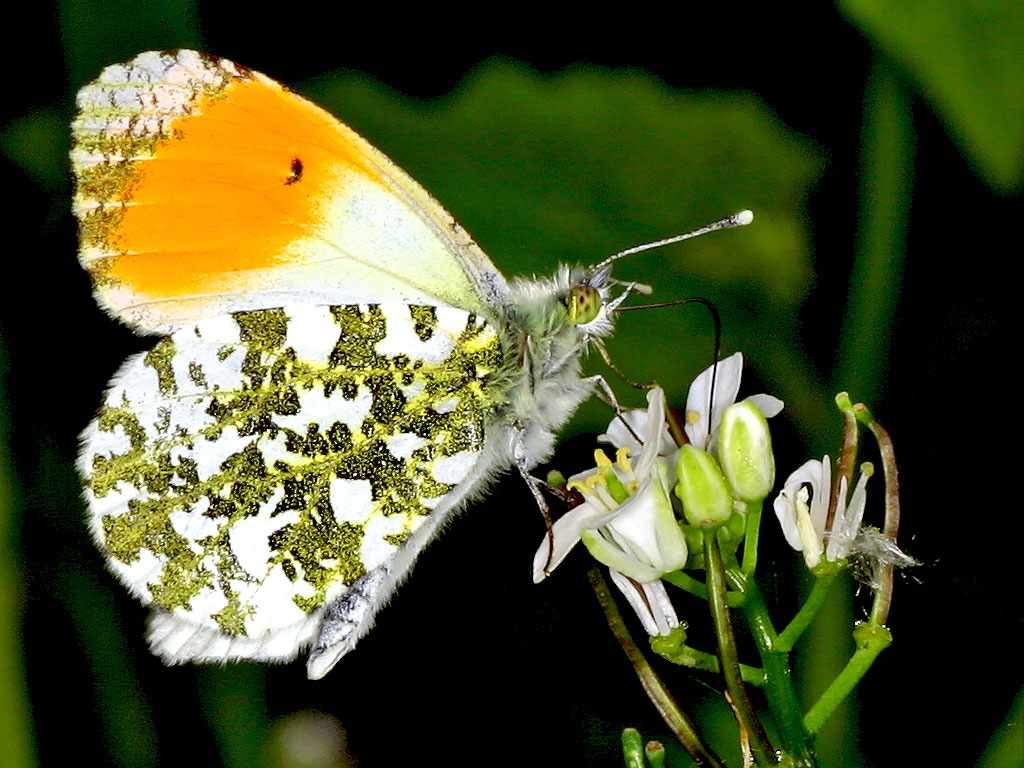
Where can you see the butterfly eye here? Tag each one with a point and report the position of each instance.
(584, 304)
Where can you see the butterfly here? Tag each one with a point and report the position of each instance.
(340, 368)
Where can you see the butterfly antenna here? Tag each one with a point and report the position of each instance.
(740, 219)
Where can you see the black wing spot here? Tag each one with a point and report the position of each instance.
(296, 171)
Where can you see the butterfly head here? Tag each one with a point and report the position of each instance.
(586, 301)
(588, 296)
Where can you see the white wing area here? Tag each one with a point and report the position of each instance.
(265, 479)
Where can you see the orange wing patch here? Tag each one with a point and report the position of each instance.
(210, 172)
(205, 188)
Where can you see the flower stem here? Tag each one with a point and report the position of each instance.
(671, 648)
(847, 456)
(778, 687)
(654, 751)
(632, 748)
(788, 637)
(674, 717)
(697, 587)
(883, 593)
(751, 538)
(871, 640)
(749, 724)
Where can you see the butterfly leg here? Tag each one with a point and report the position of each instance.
(605, 394)
(536, 485)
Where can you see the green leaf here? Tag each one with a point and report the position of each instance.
(966, 58)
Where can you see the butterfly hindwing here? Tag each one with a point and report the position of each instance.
(252, 468)
(204, 188)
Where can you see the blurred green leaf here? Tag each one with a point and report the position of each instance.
(579, 165)
(234, 702)
(16, 738)
(876, 279)
(1004, 748)
(37, 143)
(96, 33)
(129, 729)
(968, 60)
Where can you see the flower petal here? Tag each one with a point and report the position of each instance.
(810, 473)
(655, 434)
(848, 518)
(626, 429)
(566, 532)
(702, 421)
(650, 602)
(609, 552)
(821, 495)
(646, 527)
(769, 405)
(646, 432)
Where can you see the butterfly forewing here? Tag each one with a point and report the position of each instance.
(204, 188)
(252, 467)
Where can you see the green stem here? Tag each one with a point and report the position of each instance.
(632, 748)
(697, 587)
(750, 541)
(233, 701)
(748, 721)
(654, 751)
(847, 456)
(778, 687)
(17, 743)
(788, 637)
(871, 640)
(671, 649)
(674, 717)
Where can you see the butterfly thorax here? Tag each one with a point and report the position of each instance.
(555, 321)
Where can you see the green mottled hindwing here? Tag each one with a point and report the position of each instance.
(251, 468)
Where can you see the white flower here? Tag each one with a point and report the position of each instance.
(637, 536)
(703, 416)
(802, 509)
(640, 534)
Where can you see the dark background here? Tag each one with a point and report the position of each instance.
(906, 224)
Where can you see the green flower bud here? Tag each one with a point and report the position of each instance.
(745, 452)
(556, 479)
(707, 500)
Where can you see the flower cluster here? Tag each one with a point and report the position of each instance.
(627, 519)
(680, 502)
